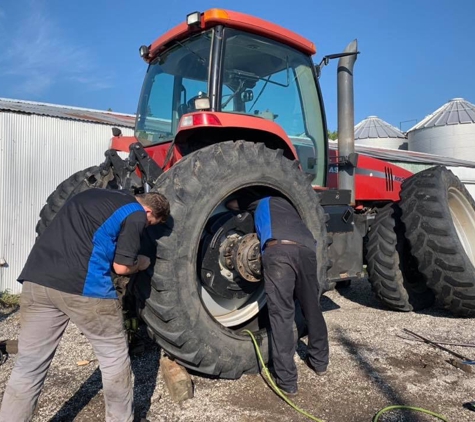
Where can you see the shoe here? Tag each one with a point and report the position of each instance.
(289, 392)
(310, 365)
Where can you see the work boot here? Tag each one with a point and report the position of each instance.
(288, 391)
(310, 365)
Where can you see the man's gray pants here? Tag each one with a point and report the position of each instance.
(44, 315)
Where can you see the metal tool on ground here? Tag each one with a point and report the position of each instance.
(465, 363)
(446, 343)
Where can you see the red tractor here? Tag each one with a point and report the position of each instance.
(231, 104)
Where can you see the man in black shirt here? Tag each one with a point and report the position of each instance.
(290, 269)
(68, 277)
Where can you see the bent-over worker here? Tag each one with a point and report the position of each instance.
(68, 277)
(290, 270)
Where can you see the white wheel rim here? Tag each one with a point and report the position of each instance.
(463, 216)
(233, 312)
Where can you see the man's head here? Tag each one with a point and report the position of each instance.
(155, 205)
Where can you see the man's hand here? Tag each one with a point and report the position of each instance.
(232, 205)
(143, 262)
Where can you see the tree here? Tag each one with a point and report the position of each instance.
(332, 135)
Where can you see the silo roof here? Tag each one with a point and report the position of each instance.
(67, 112)
(456, 111)
(374, 127)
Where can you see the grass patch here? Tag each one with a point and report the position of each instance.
(9, 300)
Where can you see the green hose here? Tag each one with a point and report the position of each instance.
(313, 418)
(273, 384)
(416, 409)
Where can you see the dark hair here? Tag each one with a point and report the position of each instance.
(157, 202)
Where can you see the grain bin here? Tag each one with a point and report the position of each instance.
(449, 131)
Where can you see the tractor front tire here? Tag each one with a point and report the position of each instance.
(177, 315)
(78, 182)
(392, 270)
(439, 214)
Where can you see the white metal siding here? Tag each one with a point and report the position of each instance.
(456, 141)
(394, 143)
(36, 154)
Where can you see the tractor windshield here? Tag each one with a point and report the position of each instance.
(269, 80)
(171, 83)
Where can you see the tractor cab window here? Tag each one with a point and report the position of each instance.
(171, 84)
(272, 81)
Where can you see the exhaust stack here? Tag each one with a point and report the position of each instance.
(346, 120)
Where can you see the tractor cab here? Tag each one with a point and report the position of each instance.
(227, 76)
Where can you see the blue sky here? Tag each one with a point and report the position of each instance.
(415, 54)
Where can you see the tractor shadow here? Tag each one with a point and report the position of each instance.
(145, 367)
(384, 385)
(360, 292)
(358, 353)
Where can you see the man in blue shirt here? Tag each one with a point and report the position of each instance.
(68, 277)
(290, 270)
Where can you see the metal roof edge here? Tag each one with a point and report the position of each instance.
(390, 154)
(62, 106)
(110, 118)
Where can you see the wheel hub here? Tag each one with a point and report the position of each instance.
(231, 265)
(246, 258)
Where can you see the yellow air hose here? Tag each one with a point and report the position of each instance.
(314, 418)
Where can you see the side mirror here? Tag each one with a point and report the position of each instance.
(326, 60)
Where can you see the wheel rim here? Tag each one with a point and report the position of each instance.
(463, 216)
(232, 312)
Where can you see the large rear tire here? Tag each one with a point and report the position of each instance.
(439, 215)
(182, 316)
(392, 270)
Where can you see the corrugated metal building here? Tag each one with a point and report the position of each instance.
(40, 146)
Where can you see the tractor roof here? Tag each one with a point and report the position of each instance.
(214, 17)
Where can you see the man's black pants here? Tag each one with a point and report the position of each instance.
(289, 270)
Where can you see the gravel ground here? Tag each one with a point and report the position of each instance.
(370, 368)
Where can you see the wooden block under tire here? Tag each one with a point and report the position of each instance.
(9, 346)
(177, 380)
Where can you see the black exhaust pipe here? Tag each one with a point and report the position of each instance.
(346, 120)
